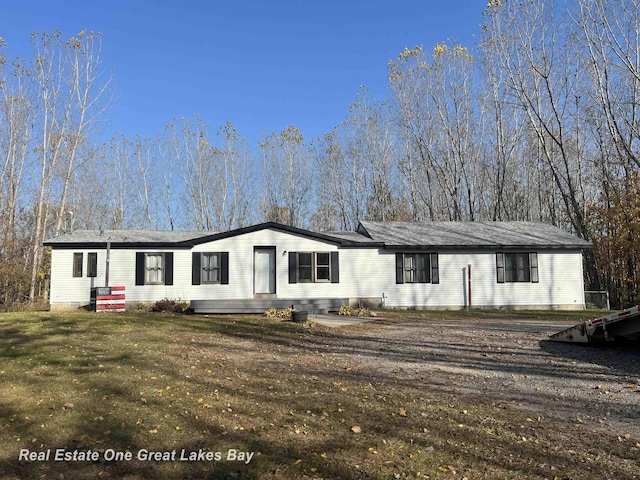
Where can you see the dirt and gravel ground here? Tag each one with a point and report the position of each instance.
(438, 395)
(508, 360)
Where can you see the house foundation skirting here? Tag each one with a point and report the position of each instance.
(260, 305)
(320, 305)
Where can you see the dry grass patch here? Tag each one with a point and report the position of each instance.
(297, 397)
(482, 315)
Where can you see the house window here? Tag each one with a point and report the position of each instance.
(317, 267)
(92, 264)
(416, 268)
(77, 264)
(210, 268)
(514, 267)
(154, 268)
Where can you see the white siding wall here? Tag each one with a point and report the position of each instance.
(64, 287)
(560, 275)
(76, 291)
(364, 273)
(241, 249)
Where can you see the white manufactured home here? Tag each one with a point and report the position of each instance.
(439, 265)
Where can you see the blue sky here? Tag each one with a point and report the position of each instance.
(262, 65)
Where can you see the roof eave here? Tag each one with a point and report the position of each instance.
(487, 247)
(274, 226)
(116, 245)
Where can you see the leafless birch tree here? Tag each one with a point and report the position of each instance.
(70, 94)
(218, 180)
(287, 176)
(438, 115)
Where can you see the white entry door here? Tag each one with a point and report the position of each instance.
(264, 273)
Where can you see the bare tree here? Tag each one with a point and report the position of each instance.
(16, 130)
(530, 47)
(86, 99)
(288, 177)
(340, 204)
(235, 203)
(504, 166)
(218, 180)
(70, 91)
(147, 176)
(438, 115)
(609, 34)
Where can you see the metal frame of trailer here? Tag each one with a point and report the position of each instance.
(623, 325)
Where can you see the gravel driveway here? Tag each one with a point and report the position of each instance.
(502, 360)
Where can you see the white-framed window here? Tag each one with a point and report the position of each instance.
(517, 267)
(209, 268)
(415, 267)
(210, 264)
(154, 268)
(314, 267)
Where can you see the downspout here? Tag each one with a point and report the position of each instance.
(469, 287)
(108, 259)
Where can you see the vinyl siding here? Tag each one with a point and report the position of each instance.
(560, 275)
(241, 281)
(65, 288)
(364, 273)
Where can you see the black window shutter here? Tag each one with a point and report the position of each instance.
(139, 268)
(77, 264)
(435, 270)
(168, 268)
(293, 267)
(500, 266)
(399, 268)
(224, 268)
(335, 268)
(195, 268)
(533, 262)
(92, 264)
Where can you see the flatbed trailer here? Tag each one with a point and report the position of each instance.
(623, 325)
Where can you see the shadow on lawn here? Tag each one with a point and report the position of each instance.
(621, 358)
(283, 452)
(426, 346)
(292, 456)
(429, 358)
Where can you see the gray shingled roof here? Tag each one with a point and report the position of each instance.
(350, 236)
(125, 236)
(389, 234)
(471, 234)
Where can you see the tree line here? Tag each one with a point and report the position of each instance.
(539, 121)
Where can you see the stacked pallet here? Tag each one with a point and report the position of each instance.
(108, 299)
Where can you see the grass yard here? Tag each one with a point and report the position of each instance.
(273, 399)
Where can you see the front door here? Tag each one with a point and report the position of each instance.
(264, 270)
